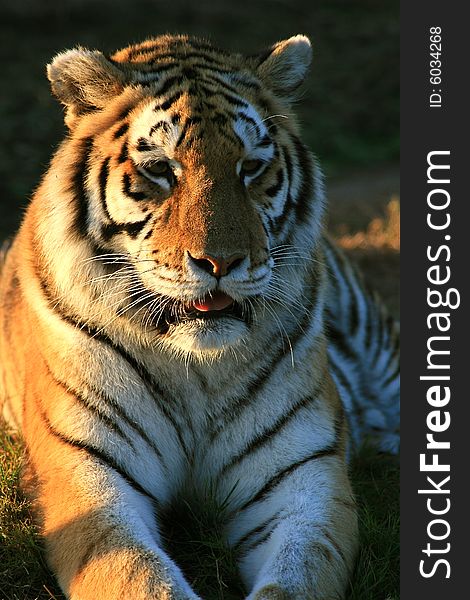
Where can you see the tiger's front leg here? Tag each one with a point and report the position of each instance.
(299, 538)
(99, 524)
(103, 543)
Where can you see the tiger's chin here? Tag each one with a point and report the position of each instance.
(207, 336)
(206, 327)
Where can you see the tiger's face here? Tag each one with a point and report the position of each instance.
(194, 178)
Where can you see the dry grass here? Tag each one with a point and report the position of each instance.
(382, 233)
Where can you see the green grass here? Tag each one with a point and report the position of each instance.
(23, 573)
(377, 486)
(197, 544)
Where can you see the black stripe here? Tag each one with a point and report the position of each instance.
(160, 125)
(349, 504)
(393, 375)
(124, 154)
(130, 422)
(95, 410)
(268, 434)
(108, 230)
(126, 188)
(169, 102)
(169, 82)
(160, 69)
(288, 162)
(335, 545)
(288, 205)
(280, 221)
(212, 78)
(242, 80)
(369, 325)
(305, 193)
(102, 184)
(344, 382)
(144, 145)
(353, 308)
(149, 82)
(231, 99)
(342, 272)
(125, 112)
(79, 186)
(219, 118)
(121, 130)
(265, 141)
(190, 121)
(93, 546)
(231, 136)
(96, 453)
(338, 339)
(211, 69)
(250, 121)
(12, 296)
(379, 338)
(210, 92)
(346, 275)
(160, 396)
(330, 450)
(256, 530)
(179, 54)
(274, 189)
(264, 538)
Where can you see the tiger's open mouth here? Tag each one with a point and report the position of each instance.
(209, 309)
(213, 306)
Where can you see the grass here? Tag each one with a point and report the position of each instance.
(23, 573)
(382, 233)
(196, 540)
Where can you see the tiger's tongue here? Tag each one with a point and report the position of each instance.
(216, 301)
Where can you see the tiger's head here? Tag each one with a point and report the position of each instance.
(191, 185)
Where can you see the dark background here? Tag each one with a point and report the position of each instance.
(349, 109)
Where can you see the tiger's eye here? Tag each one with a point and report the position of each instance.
(160, 168)
(249, 167)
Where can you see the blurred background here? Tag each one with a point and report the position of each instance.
(349, 109)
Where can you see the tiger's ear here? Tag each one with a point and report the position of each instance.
(83, 80)
(283, 67)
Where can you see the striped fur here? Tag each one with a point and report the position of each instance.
(162, 318)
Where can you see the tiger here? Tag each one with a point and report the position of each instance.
(174, 319)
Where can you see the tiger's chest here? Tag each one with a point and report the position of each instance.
(224, 433)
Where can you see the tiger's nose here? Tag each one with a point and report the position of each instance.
(218, 266)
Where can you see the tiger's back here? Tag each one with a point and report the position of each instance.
(163, 332)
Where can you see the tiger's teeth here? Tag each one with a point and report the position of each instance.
(216, 301)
